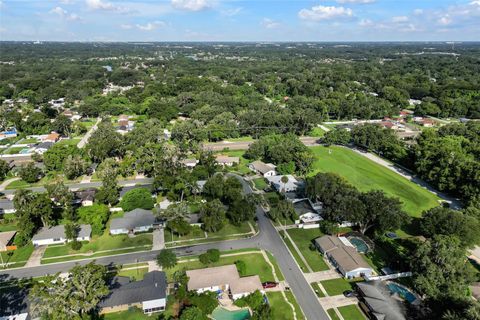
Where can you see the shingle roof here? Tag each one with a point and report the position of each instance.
(262, 167)
(327, 243)
(348, 258)
(210, 277)
(246, 284)
(6, 237)
(379, 299)
(152, 287)
(44, 145)
(59, 232)
(133, 219)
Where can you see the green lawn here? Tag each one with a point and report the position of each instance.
(332, 314)
(20, 256)
(242, 167)
(100, 243)
(8, 222)
(260, 183)
(96, 255)
(132, 314)
(295, 255)
(255, 263)
(133, 274)
(69, 142)
(303, 239)
(226, 232)
(335, 287)
(293, 301)
(280, 309)
(13, 150)
(316, 132)
(367, 175)
(276, 267)
(28, 141)
(317, 289)
(351, 312)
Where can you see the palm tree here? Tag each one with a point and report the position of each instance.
(284, 180)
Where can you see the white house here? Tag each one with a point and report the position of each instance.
(43, 147)
(149, 294)
(290, 186)
(264, 169)
(56, 235)
(226, 160)
(189, 163)
(137, 220)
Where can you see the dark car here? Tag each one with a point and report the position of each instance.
(349, 293)
(267, 285)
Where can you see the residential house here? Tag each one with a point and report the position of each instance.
(264, 169)
(85, 197)
(194, 220)
(308, 216)
(6, 240)
(124, 124)
(343, 255)
(56, 235)
(377, 301)
(12, 133)
(226, 160)
(52, 137)
(189, 163)
(222, 279)
(427, 122)
(137, 220)
(43, 147)
(149, 294)
(6, 206)
(290, 186)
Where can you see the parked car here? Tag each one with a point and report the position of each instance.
(349, 293)
(267, 285)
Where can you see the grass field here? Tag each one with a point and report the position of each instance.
(367, 175)
(133, 274)
(260, 183)
(335, 287)
(316, 132)
(303, 238)
(282, 310)
(69, 142)
(351, 312)
(317, 289)
(19, 256)
(255, 265)
(242, 167)
(332, 314)
(132, 314)
(8, 222)
(295, 255)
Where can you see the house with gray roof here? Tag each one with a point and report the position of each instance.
(137, 220)
(290, 186)
(56, 235)
(262, 168)
(43, 147)
(6, 206)
(379, 302)
(149, 294)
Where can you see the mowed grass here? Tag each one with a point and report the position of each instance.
(260, 183)
(282, 310)
(351, 312)
(131, 314)
(133, 274)
(332, 314)
(366, 175)
(242, 167)
(19, 256)
(335, 287)
(303, 238)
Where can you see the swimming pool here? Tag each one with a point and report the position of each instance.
(224, 314)
(359, 244)
(404, 293)
(24, 151)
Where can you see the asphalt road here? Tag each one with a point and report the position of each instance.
(243, 145)
(267, 239)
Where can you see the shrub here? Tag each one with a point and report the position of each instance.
(212, 255)
(137, 198)
(76, 245)
(96, 215)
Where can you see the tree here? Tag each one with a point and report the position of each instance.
(4, 169)
(75, 297)
(105, 142)
(439, 268)
(284, 180)
(337, 136)
(74, 166)
(193, 313)
(448, 222)
(167, 259)
(30, 173)
(211, 256)
(283, 210)
(212, 214)
(137, 198)
(96, 215)
(60, 194)
(54, 158)
(109, 192)
(62, 125)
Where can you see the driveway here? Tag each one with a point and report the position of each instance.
(36, 256)
(158, 239)
(337, 301)
(322, 275)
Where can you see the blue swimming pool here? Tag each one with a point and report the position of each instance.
(224, 314)
(359, 244)
(402, 292)
(24, 151)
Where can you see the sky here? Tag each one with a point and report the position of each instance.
(238, 20)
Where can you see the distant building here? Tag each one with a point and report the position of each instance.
(189, 163)
(264, 169)
(12, 133)
(43, 147)
(290, 186)
(226, 160)
(149, 294)
(137, 220)
(377, 301)
(56, 235)
(85, 197)
(52, 137)
(6, 206)
(223, 279)
(343, 256)
(6, 240)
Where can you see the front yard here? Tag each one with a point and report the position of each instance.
(335, 287)
(351, 312)
(303, 238)
(18, 257)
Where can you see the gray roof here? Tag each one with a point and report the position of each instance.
(152, 287)
(133, 219)
(44, 145)
(303, 206)
(327, 242)
(193, 218)
(87, 194)
(380, 301)
(262, 167)
(59, 232)
(6, 204)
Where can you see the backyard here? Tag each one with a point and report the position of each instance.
(367, 175)
(241, 168)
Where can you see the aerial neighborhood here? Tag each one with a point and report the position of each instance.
(272, 181)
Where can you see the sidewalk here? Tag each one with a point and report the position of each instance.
(5, 183)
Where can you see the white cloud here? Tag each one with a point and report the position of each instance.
(417, 12)
(150, 26)
(445, 20)
(365, 23)
(66, 1)
(191, 5)
(319, 13)
(269, 23)
(231, 12)
(126, 26)
(64, 14)
(355, 1)
(475, 3)
(106, 6)
(400, 19)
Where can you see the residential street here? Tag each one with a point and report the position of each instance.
(267, 239)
